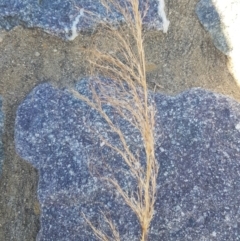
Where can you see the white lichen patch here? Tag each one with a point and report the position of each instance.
(214, 234)
(238, 126)
(73, 29)
(162, 14)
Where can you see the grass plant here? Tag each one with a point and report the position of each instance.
(125, 65)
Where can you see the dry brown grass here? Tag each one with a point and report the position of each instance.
(125, 65)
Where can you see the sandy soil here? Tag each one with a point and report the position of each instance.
(183, 58)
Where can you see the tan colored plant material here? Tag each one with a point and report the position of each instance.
(127, 93)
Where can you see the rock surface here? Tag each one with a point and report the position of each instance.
(199, 182)
(1, 133)
(212, 22)
(222, 20)
(185, 57)
(67, 18)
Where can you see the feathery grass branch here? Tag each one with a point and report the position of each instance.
(128, 95)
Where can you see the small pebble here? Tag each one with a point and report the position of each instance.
(1, 39)
(55, 50)
(37, 54)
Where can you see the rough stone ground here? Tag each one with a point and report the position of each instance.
(185, 57)
(197, 146)
(1, 132)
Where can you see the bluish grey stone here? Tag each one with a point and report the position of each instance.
(65, 18)
(1, 133)
(211, 21)
(198, 196)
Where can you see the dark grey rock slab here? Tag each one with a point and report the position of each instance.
(1, 133)
(65, 18)
(198, 194)
(211, 20)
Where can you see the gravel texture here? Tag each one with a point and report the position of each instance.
(1, 133)
(183, 58)
(198, 148)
